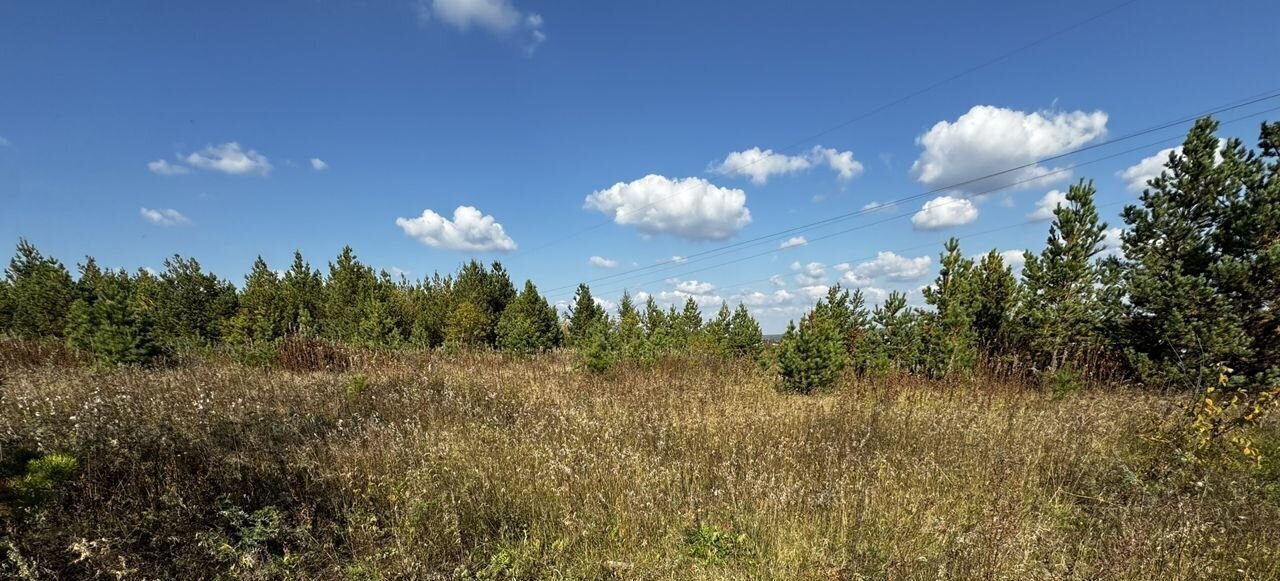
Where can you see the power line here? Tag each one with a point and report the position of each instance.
(1146, 146)
(864, 115)
(1230, 106)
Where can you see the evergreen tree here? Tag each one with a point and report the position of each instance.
(714, 338)
(745, 338)
(811, 355)
(1061, 309)
(584, 316)
(433, 303)
(995, 289)
(40, 294)
(122, 335)
(468, 325)
(302, 291)
(847, 312)
(529, 324)
(951, 338)
(895, 340)
(263, 311)
(347, 294)
(192, 306)
(631, 340)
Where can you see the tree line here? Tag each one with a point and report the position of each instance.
(1193, 290)
(1194, 293)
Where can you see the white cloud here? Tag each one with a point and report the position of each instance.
(874, 294)
(690, 208)
(318, 164)
(469, 230)
(777, 280)
(794, 242)
(1046, 206)
(874, 206)
(759, 299)
(602, 262)
(692, 287)
(678, 259)
(814, 291)
(888, 266)
(989, 139)
(164, 217)
(1137, 175)
(1014, 259)
(496, 16)
(397, 272)
(759, 164)
(810, 274)
(1112, 242)
(230, 158)
(944, 212)
(165, 168)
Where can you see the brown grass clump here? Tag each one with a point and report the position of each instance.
(489, 466)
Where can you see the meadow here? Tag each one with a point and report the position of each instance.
(484, 465)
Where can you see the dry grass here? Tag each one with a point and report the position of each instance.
(481, 465)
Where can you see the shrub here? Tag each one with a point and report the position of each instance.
(811, 356)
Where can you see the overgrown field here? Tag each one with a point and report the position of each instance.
(427, 465)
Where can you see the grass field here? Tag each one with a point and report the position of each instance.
(485, 466)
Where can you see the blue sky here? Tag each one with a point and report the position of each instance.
(546, 119)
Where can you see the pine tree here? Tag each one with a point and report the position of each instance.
(895, 341)
(811, 355)
(714, 337)
(529, 323)
(40, 294)
(468, 325)
(630, 334)
(1060, 304)
(848, 312)
(995, 289)
(346, 295)
(192, 306)
(122, 335)
(263, 311)
(745, 337)
(951, 338)
(303, 296)
(584, 316)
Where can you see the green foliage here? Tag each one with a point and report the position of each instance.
(950, 337)
(601, 350)
(995, 291)
(529, 324)
(584, 317)
(38, 294)
(468, 325)
(1061, 284)
(250, 544)
(745, 337)
(41, 479)
(711, 544)
(811, 356)
(263, 314)
(895, 343)
(107, 323)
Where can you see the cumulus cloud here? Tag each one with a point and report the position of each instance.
(692, 287)
(989, 139)
(164, 217)
(470, 230)
(759, 299)
(230, 158)
(165, 168)
(691, 208)
(318, 164)
(794, 242)
(777, 280)
(1046, 206)
(1014, 259)
(944, 212)
(887, 266)
(810, 274)
(1137, 175)
(602, 262)
(496, 16)
(1112, 242)
(759, 164)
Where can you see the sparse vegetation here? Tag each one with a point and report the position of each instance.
(483, 465)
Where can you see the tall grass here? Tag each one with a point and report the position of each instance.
(478, 465)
